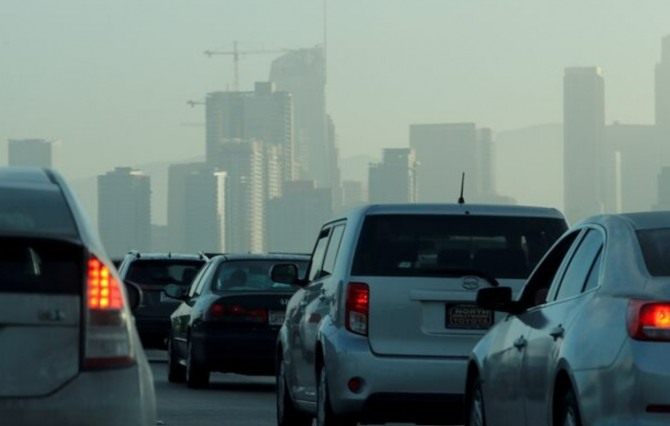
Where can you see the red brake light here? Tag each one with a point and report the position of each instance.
(649, 320)
(357, 307)
(104, 292)
(236, 313)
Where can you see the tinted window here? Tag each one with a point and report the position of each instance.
(655, 245)
(318, 255)
(502, 246)
(40, 266)
(251, 275)
(592, 280)
(163, 272)
(35, 211)
(574, 279)
(331, 252)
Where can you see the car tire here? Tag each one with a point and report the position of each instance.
(324, 411)
(569, 412)
(287, 413)
(176, 371)
(196, 375)
(475, 404)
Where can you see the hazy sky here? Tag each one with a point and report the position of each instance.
(110, 79)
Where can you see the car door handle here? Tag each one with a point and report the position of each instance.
(557, 332)
(520, 343)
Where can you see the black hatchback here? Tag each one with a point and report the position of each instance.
(152, 272)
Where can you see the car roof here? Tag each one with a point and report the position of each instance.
(263, 256)
(25, 177)
(166, 256)
(454, 208)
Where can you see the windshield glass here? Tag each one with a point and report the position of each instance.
(251, 276)
(39, 212)
(164, 271)
(655, 244)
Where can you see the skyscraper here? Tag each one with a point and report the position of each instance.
(444, 152)
(264, 114)
(663, 89)
(124, 210)
(205, 230)
(394, 179)
(584, 128)
(30, 152)
(177, 207)
(302, 73)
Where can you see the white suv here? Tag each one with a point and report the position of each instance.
(383, 325)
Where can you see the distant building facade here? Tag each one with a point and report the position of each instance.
(444, 153)
(663, 89)
(394, 179)
(177, 207)
(205, 201)
(584, 132)
(124, 211)
(30, 152)
(295, 218)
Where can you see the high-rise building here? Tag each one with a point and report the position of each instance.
(30, 152)
(295, 218)
(264, 114)
(302, 73)
(663, 196)
(444, 153)
(663, 89)
(205, 228)
(354, 194)
(177, 208)
(394, 179)
(124, 210)
(583, 135)
(243, 161)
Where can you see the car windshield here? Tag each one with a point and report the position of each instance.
(39, 212)
(415, 245)
(251, 276)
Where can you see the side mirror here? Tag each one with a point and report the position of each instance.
(498, 299)
(174, 291)
(134, 293)
(285, 273)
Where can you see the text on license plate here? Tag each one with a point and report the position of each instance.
(468, 316)
(276, 317)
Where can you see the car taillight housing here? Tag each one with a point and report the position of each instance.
(236, 313)
(649, 320)
(107, 339)
(357, 308)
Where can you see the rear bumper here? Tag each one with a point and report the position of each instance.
(236, 351)
(118, 397)
(395, 388)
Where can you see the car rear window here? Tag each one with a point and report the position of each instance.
(164, 271)
(655, 244)
(40, 266)
(419, 245)
(251, 275)
(35, 211)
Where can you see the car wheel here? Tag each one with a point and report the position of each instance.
(324, 411)
(196, 375)
(287, 413)
(475, 407)
(569, 414)
(176, 371)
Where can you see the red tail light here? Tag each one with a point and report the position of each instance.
(235, 313)
(649, 320)
(357, 307)
(107, 341)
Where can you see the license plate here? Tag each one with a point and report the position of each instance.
(276, 317)
(467, 316)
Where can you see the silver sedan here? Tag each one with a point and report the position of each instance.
(587, 341)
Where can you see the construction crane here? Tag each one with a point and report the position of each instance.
(193, 103)
(236, 53)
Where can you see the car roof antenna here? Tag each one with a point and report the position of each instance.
(461, 200)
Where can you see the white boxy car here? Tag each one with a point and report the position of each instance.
(385, 321)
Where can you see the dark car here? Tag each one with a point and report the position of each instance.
(229, 319)
(152, 272)
(67, 340)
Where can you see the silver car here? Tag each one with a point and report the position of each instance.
(69, 351)
(588, 340)
(383, 325)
